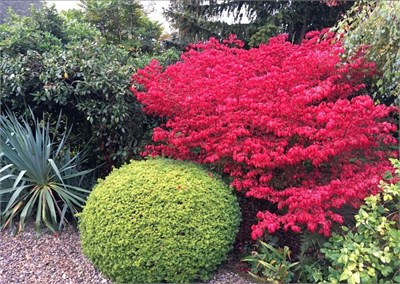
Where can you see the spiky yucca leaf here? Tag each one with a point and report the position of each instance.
(37, 173)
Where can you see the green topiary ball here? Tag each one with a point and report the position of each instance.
(158, 221)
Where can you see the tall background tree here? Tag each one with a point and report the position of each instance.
(123, 22)
(254, 21)
(19, 7)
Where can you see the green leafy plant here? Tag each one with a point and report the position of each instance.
(370, 252)
(310, 258)
(158, 221)
(377, 25)
(76, 71)
(124, 23)
(270, 264)
(38, 173)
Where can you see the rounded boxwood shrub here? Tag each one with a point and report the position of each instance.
(159, 220)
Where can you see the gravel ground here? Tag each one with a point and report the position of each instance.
(58, 259)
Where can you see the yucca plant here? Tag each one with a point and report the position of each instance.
(38, 175)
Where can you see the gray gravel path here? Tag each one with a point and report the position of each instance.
(58, 259)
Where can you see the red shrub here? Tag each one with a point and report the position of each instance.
(287, 122)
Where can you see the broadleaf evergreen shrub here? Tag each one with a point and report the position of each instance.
(159, 220)
(75, 70)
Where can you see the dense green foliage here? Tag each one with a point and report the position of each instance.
(310, 252)
(52, 63)
(377, 25)
(39, 176)
(159, 220)
(41, 32)
(123, 22)
(370, 252)
(197, 20)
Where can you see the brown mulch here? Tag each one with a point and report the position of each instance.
(58, 258)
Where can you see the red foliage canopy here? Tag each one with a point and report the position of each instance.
(287, 122)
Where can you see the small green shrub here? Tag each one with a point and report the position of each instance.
(370, 253)
(271, 265)
(159, 220)
(310, 258)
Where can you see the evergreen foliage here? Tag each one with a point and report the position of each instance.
(52, 63)
(123, 22)
(199, 19)
(159, 221)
